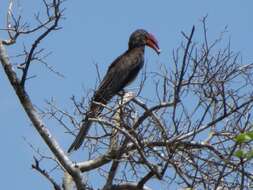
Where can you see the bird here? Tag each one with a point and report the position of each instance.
(122, 71)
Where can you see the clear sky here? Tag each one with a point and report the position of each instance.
(97, 32)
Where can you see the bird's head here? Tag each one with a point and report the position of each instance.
(140, 38)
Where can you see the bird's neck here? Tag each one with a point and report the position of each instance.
(139, 49)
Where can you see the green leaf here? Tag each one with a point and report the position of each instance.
(250, 134)
(244, 137)
(240, 154)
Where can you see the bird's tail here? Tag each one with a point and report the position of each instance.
(85, 126)
(81, 135)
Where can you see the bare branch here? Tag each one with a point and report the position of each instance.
(36, 166)
(35, 119)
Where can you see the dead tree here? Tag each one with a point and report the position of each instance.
(187, 136)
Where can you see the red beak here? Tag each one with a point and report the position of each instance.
(152, 42)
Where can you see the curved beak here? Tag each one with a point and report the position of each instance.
(152, 42)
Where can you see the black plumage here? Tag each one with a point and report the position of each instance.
(119, 74)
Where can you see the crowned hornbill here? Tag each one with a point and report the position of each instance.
(119, 74)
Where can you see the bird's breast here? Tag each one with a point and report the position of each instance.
(134, 72)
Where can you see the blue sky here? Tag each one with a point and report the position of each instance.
(97, 32)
